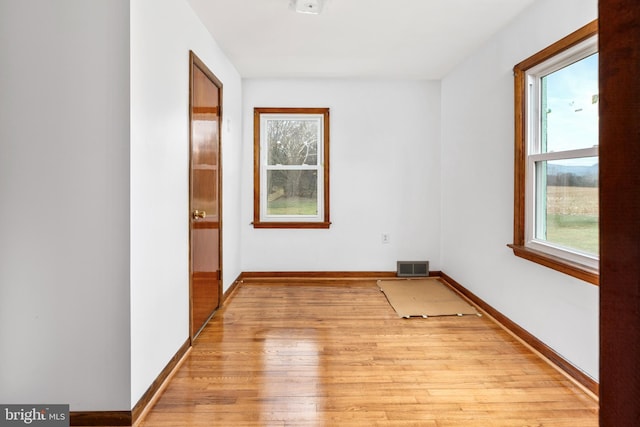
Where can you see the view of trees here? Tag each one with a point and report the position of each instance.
(572, 176)
(292, 144)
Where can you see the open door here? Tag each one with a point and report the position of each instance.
(204, 195)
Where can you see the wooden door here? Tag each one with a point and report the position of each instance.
(204, 195)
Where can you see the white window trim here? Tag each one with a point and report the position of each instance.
(534, 154)
(264, 167)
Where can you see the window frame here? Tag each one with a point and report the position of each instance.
(260, 167)
(524, 245)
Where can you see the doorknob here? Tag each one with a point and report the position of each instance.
(198, 214)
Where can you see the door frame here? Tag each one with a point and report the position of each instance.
(195, 61)
(619, 55)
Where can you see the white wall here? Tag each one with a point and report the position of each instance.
(94, 144)
(64, 203)
(385, 176)
(162, 33)
(477, 189)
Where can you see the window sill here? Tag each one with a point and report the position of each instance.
(578, 271)
(298, 225)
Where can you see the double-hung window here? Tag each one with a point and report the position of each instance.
(291, 168)
(556, 191)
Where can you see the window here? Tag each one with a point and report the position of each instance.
(291, 168)
(556, 165)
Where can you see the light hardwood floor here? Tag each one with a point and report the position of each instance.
(332, 353)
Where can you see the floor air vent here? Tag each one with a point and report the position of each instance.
(413, 269)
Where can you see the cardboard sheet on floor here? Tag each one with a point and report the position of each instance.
(424, 298)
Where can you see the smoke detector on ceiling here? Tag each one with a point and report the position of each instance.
(313, 7)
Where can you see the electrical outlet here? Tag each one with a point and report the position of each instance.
(386, 238)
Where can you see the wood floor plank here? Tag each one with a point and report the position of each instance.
(334, 353)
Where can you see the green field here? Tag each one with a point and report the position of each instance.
(293, 206)
(575, 231)
(572, 217)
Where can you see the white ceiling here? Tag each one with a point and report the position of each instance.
(420, 39)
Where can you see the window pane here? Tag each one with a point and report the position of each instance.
(292, 142)
(570, 107)
(567, 203)
(292, 192)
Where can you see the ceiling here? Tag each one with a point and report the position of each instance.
(418, 39)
